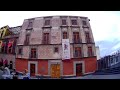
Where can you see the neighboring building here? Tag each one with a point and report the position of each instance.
(109, 61)
(8, 40)
(56, 46)
(98, 52)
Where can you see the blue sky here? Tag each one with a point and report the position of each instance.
(105, 24)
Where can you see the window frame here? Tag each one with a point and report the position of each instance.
(20, 48)
(87, 37)
(55, 50)
(84, 22)
(33, 53)
(78, 50)
(90, 51)
(63, 22)
(74, 23)
(27, 39)
(46, 38)
(76, 37)
(65, 35)
(46, 22)
(30, 24)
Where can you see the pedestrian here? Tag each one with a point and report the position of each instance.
(26, 74)
(6, 73)
(1, 73)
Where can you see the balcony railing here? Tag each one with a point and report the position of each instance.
(88, 41)
(90, 54)
(77, 41)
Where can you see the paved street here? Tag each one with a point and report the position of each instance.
(115, 76)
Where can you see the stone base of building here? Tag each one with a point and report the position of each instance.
(58, 68)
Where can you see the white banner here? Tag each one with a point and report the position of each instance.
(66, 49)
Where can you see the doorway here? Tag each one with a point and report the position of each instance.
(79, 69)
(32, 69)
(55, 70)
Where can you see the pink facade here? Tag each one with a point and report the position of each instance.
(45, 52)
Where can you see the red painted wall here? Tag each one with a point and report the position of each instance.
(90, 64)
(21, 65)
(43, 64)
(67, 67)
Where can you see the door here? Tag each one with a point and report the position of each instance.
(79, 69)
(32, 69)
(55, 70)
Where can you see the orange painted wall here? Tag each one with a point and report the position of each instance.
(43, 64)
(68, 67)
(21, 64)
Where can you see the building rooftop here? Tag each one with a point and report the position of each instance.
(15, 30)
(59, 16)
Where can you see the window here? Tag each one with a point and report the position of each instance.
(10, 49)
(76, 37)
(19, 50)
(3, 47)
(33, 52)
(30, 23)
(116, 58)
(64, 22)
(27, 39)
(88, 40)
(47, 22)
(74, 22)
(10, 46)
(11, 65)
(84, 23)
(65, 35)
(78, 52)
(89, 51)
(46, 38)
(56, 50)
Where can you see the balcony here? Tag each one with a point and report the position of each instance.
(78, 56)
(88, 41)
(90, 54)
(26, 43)
(45, 42)
(32, 57)
(78, 41)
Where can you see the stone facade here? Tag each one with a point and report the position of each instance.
(45, 52)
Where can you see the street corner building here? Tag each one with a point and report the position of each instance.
(8, 41)
(56, 46)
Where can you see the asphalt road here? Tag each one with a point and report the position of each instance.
(114, 76)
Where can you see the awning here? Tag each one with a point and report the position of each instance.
(9, 44)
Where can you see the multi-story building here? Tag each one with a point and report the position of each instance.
(56, 46)
(8, 41)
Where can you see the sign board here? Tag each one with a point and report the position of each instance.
(65, 49)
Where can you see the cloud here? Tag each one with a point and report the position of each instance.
(105, 24)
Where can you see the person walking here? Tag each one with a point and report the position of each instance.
(1, 73)
(26, 74)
